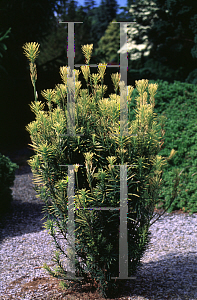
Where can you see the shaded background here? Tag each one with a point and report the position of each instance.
(162, 45)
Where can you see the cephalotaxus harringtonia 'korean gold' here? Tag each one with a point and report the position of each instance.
(100, 143)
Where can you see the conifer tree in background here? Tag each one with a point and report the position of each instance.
(111, 8)
(173, 36)
(109, 44)
(90, 23)
(164, 33)
(100, 18)
(89, 4)
(95, 22)
(72, 11)
(87, 32)
(106, 13)
(89, 12)
(55, 46)
(138, 46)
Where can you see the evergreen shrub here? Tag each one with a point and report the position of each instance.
(192, 77)
(178, 101)
(98, 181)
(7, 176)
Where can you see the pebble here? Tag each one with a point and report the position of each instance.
(25, 246)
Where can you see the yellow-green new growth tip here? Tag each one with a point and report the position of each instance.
(31, 50)
(87, 51)
(102, 68)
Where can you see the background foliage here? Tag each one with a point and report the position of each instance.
(161, 46)
(16, 89)
(178, 102)
(3, 48)
(163, 42)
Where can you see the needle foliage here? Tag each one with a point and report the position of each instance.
(101, 149)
